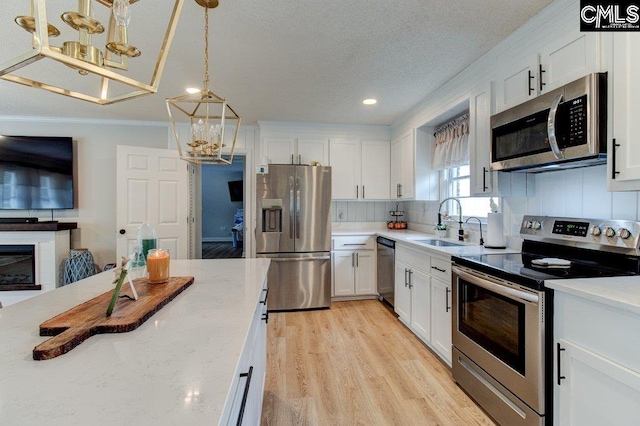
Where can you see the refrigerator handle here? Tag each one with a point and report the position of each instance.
(298, 207)
(291, 207)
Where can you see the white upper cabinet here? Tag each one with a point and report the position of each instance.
(563, 59)
(623, 162)
(295, 151)
(375, 170)
(279, 150)
(516, 80)
(567, 59)
(480, 111)
(345, 169)
(412, 174)
(312, 150)
(360, 169)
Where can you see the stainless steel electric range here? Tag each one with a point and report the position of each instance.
(502, 317)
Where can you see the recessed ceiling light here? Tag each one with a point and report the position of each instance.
(370, 101)
(193, 90)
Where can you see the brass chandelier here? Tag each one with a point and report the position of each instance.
(101, 79)
(207, 115)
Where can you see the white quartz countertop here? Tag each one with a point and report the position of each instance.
(175, 369)
(411, 238)
(618, 292)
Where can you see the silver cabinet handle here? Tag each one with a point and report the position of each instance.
(410, 278)
(291, 158)
(363, 192)
(352, 261)
(357, 191)
(438, 269)
(406, 280)
(357, 260)
(299, 158)
(551, 128)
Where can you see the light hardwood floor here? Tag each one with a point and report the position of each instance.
(356, 364)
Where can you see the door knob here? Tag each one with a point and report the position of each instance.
(122, 231)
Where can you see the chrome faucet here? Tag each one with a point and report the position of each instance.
(480, 224)
(460, 231)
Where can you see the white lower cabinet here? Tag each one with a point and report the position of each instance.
(597, 364)
(245, 406)
(423, 298)
(354, 266)
(441, 317)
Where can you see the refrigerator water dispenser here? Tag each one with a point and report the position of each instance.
(271, 215)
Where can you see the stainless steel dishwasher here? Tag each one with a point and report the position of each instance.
(385, 271)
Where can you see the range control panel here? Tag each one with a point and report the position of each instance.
(614, 233)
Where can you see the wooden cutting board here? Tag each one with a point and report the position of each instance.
(76, 325)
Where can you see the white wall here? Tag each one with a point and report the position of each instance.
(95, 143)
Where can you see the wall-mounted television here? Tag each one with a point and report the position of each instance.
(235, 190)
(36, 172)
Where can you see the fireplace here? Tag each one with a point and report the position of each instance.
(18, 268)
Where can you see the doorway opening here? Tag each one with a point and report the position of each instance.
(222, 231)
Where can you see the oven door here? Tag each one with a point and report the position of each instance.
(499, 326)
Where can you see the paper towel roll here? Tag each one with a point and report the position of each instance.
(495, 231)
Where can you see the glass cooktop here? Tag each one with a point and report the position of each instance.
(522, 267)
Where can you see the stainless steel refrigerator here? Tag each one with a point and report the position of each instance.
(293, 229)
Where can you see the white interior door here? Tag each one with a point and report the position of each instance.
(152, 185)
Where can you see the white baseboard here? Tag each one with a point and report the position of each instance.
(217, 240)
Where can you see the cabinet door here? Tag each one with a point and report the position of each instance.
(312, 150)
(408, 166)
(441, 318)
(375, 170)
(517, 81)
(396, 168)
(624, 159)
(345, 163)
(343, 272)
(420, 304)
(402, 304)
(279, 150)
(567, 58)
(365, 279)
(595, 391)
(480, 110)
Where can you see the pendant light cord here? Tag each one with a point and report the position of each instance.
(206, 51)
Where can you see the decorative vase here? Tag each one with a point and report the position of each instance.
(441, 233)
(78, 265)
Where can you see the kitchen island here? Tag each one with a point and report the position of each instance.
(179, 367)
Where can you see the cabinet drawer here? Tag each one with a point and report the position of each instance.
(354, 242)
(414, 258)
(441, 269)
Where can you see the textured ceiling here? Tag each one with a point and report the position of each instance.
(291, 60)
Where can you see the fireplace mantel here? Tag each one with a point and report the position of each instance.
(38, 226)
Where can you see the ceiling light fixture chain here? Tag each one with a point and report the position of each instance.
(206, 114)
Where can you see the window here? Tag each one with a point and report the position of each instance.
(456, 182)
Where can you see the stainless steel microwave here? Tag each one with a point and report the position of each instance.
(564, 128)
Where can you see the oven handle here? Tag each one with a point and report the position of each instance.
(494, 287)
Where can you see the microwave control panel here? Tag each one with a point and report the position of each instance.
(576, 112)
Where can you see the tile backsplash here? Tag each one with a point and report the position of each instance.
(579, 193)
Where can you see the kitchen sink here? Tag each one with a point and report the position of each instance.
(439, 243)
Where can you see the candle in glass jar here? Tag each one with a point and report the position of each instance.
(158, 265)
